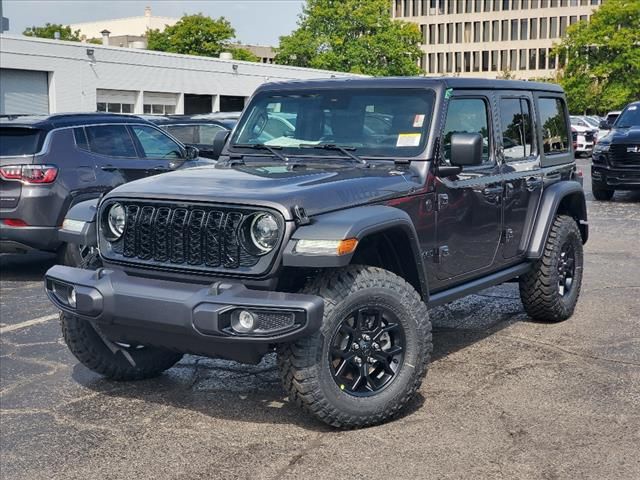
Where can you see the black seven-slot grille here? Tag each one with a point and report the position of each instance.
(625, 155)
(185, 236)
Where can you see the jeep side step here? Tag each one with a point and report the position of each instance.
(459, 291)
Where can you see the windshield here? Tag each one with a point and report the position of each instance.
(389, 122)
(19, 141)
(629, 118)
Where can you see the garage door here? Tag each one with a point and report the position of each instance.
(115, 101)
(23, 91)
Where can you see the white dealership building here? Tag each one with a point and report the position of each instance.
(50, 76)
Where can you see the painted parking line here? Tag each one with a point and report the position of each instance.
(28, 323)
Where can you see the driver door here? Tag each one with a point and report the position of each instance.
(469, 205)
(159, 151)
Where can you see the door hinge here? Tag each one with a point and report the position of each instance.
(436, 254)
(443, 201)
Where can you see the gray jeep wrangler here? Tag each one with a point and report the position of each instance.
(339, 213)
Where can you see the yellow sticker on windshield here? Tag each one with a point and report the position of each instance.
(408, 139)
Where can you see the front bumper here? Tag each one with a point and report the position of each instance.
(180, 316)
(623, 179)
(24, 239)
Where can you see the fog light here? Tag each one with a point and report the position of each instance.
(72, 297)
(243, 321)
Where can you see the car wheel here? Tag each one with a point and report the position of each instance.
(79, 256)
(601, 194)
(128, 362)
(370, 355)
(550, 290)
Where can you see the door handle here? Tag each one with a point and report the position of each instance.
(492, 191)
(160, 168)
(109, 168)
(533, 183)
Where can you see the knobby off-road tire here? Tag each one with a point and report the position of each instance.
(601, 194)
(87, 346)
(541, 289)
(306, 366)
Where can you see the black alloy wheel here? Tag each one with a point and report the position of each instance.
(367, 351)
(566, 268)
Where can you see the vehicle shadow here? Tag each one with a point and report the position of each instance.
(253, 393)
(27, 267)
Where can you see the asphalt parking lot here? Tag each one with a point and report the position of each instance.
(504, 398)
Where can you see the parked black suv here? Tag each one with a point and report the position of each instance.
(616, 157)
(196, 130)
(50, 163)
(329, 243)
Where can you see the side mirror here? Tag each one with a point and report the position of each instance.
(466, 149)
(218, 143)
(604, 125)
(191, 152)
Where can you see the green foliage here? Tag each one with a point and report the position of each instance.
(357, 36)
(49, 30)
(603, 58)
(198, 35)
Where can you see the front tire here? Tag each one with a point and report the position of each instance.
(601, 194)
(87, 346)
(550, 290)
(370, 354)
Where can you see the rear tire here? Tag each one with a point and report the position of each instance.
(550, 290)
(601, 194)
(326, 376)
(87, 346)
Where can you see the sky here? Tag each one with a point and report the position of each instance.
(256, 21)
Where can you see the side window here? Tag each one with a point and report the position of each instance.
(467, 115)
(555, 132)
(110, 140)
(156, 144)
(81, 138)
(206, 133)
(184, 133)
(517, 129)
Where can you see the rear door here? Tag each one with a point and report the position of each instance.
(114, 151)
(17, 147)
(518, 152)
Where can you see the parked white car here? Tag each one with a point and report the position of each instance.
(587, 135)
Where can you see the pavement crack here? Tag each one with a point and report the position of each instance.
(570, 352)
(297, 457)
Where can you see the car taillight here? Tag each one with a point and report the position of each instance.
(30, 173)
(15, 222)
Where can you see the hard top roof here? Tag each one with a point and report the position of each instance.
(415, 82)
(57, 120)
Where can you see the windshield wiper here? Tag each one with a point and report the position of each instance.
(345, 150)
(273, 150)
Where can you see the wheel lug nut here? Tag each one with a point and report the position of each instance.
(366, 338)
(358, 361)
(371, 360)
(356, 346)
(376, 346)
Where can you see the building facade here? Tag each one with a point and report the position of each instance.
(50, 76)
(492, 38)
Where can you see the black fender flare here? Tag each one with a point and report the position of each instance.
(85, 212)
(565, 195)
(357, 222)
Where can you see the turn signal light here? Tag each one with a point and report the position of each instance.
(347, 246)
(32, 174)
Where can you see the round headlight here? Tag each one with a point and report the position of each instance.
(261, 233)
(116, 219)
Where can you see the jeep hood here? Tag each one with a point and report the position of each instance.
(316, 189)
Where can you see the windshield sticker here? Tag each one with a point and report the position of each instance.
(418, 121)
(408, 140)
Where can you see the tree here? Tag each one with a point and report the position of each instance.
(49, 30)
(602, 71)
(198, 35)
(357, 36)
